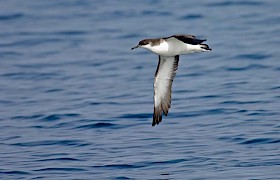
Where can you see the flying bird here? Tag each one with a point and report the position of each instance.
(168, 49)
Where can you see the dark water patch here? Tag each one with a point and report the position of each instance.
(38, 127)
(217, 111)
(191, 17)
(139, 67)
(15, 172)
(10, 138)
(174, 161)
(233, 84)
(103, 103)
(122, 177)
(165, 174)
(60, 169)
(235, 3)
(206, 97)
(155, 13)
(135, 116)
(261, 141)
(11, 16)
(9, 54)
(275, 88)
(130, 36)
(51, 143)
(242, 102)
(232, 139)
(53, 90)
(55, 117)
(260, 164)
(6, 102)
(60, 159)
(63, 125)
(97, 125)
(196, 74)
(185, 114)
(249, 67)
(119, 166)
(261, 113)
(44, 155)
(35, 116)
(52, 117)
(252, 56)
(220, 110)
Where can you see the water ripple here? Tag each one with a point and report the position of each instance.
(236, 3)
(51, 143)
(60, 169)
(11, 16)
(97, 125)
(261, 141)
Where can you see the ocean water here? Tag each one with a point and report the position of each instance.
(77, 103)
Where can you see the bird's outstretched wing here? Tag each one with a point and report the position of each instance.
(165, 73)
(187, 38)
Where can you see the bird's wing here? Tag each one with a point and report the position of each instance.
(187, 38)
(165, 73)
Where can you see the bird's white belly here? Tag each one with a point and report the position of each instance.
(173, 48)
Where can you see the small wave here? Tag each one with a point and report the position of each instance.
(122, 177)
(242, 102)
(119, 166)
(235, 3)
(232, 139)
(10, 54)
(11, 16)
(252, 164)
(15, 172)
(132, 116)
(60, 169)
(155, 13)
(60, 159)
(55, 117)
(191, 16)
(97, 125)
(130, 36)
(170, 161)
(253, 56)
(261, 141)
(36, 116)
(249, 67)
(51, 143)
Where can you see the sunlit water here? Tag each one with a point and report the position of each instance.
(76, 103)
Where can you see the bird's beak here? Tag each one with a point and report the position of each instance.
(135, 47)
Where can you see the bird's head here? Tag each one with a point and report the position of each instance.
(146, 43)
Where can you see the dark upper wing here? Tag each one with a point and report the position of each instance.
(165, 73)
(186, 38)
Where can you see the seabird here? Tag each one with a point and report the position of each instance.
(169, 49)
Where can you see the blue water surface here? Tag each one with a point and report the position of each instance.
(77, 103)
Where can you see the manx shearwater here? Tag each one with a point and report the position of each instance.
(169, 49)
